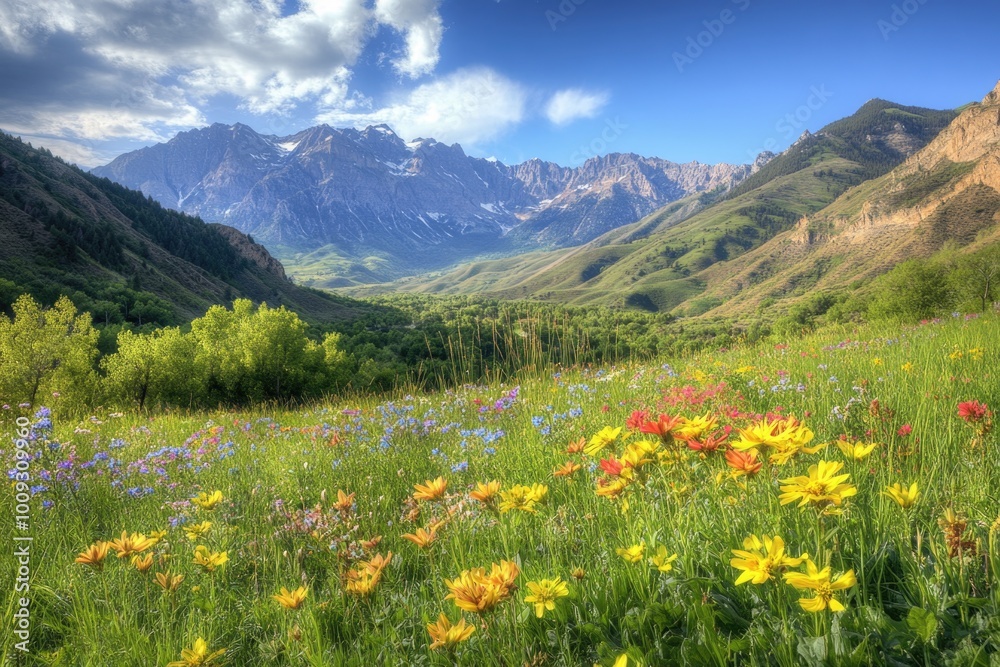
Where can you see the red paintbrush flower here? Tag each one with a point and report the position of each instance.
(709, 443)
(637, 419)
(612, 467)
(973, 411)
(662, 426)
(743, 463)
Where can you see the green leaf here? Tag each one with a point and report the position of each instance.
(812, 651)
(923, 622)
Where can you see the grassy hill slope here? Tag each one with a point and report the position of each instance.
(124, 257)
(679, 258)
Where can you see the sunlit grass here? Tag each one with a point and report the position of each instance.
(282, 523)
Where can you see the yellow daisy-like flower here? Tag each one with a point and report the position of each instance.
(661, 561)
(691, 429)
(856, 451)
(209, 561)
(602, 439)
(94, 555)
(345, 501)
(365, 577)
(448, 635)
(632, 554)
(291, 599)
(142, 563)
(544, 594)
(760, 559)
(431, 489)
(824, 588)
(486, 493)
(208, 501)
(477, 592)
(906, 498)
(169, 582)
(623, 661)
(786, 437)
(538, 493)
(361, 583)
(130, 545)
(196, 531)
(198, 656)
(524, 498)
(422, 538)
(614, 488)
(821, 487)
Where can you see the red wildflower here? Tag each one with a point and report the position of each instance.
(612, 467)
(743, 463)
(709, 443)
(904, 430)
(973, 411)
(637, 419)
(662, 426)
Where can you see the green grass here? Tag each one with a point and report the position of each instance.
(693, 615)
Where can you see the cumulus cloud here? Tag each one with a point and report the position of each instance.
(470, 106)
(568, 105)
(142, 67)
(64, 90)
(92, 71)
(84, 154)
(420, 21)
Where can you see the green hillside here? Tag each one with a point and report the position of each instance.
(122, 256)
(665, 262)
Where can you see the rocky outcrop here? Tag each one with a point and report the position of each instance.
(972, 140)
(254, 252)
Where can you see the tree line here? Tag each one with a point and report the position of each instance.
(231, 356)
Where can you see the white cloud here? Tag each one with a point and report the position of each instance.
(177, 54)
(568, 105)
(470, 106)
(101, 70)
(420, 21)
(82, 154)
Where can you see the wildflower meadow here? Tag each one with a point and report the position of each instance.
(829, 501)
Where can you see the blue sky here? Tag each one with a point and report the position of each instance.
(557, 79)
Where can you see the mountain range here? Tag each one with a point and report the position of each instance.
(352, 205)
(837, 209)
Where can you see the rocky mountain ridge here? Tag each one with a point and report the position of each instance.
(421, 203)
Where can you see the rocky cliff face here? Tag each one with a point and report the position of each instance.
(248, 249)
(965, 155)
(424, 202)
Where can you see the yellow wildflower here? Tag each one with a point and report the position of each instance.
(544, 594)
(291, 599)
(824, 588)
(906, 498)
(448, 635)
